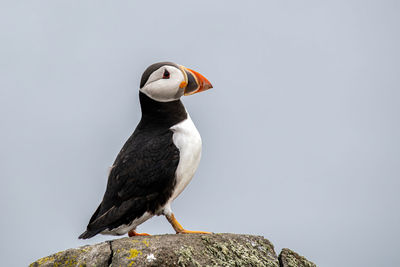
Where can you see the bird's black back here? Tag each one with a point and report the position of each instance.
(142, 177)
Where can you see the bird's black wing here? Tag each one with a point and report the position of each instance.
(142, 179)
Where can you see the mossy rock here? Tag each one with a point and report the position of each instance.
(289, 258)
(94, 255)
(194, 250)
(171, 250)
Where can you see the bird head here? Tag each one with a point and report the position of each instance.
(167, 81)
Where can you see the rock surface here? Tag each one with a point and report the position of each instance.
(94, 255)
(177, 250)
(289, 258)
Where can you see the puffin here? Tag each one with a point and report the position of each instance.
(158, 160)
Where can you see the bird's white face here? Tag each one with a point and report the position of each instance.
(164, 84)
(167, 81)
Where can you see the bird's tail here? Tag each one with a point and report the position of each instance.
(88, 234)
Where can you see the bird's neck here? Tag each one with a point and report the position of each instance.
(160, 114)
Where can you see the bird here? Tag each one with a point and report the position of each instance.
(158, 160)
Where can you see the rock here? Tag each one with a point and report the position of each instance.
(176, 250)
(94, 255)
(195, 250)
(289, 258)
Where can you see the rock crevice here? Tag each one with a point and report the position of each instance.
(110, 258)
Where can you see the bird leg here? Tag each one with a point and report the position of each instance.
(178, 227)
(134, 233)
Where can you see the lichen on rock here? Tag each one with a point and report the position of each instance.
(289, 258)
(243, 250)
(172, 250)
(95, 255)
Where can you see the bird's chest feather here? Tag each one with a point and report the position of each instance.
(187, 139)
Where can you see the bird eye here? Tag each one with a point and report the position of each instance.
(166, 74)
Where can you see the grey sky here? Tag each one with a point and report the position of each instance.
(300, 133)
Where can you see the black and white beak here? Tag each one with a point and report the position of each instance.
(194, 82)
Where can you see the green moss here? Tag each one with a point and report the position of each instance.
(185, 257)
(292, 259)
(292, 262)
(230, 253)
(42, 261)
(62, 259)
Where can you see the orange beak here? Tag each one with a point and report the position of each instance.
(195, 82)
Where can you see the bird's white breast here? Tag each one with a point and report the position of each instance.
(187, 139)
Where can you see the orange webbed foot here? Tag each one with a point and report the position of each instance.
(134, 233)
(178, 227)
